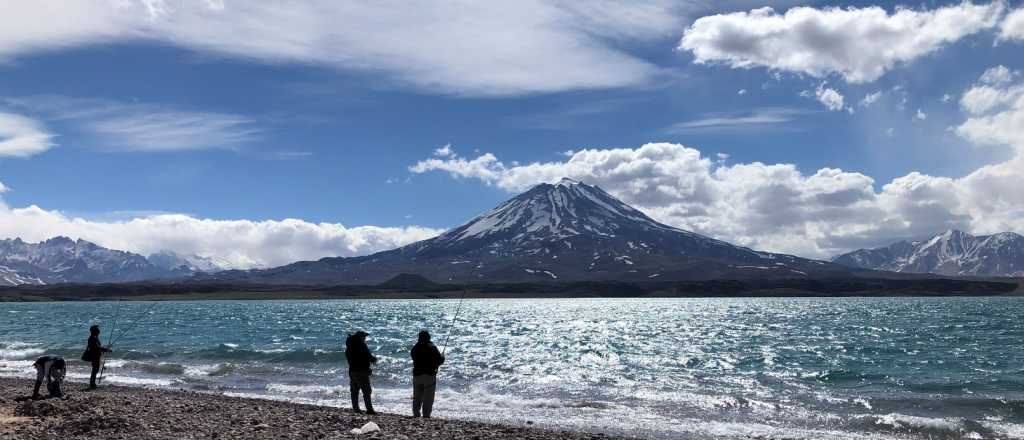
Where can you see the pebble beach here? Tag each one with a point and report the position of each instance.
(141, 413)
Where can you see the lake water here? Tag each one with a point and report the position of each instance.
(923, 368)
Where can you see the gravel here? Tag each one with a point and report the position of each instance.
(140, 413)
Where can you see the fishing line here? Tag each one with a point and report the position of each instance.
(140, 318)
(110, 339)
(452, 326)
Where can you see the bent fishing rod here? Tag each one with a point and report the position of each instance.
(452, 326)
(110, 340)
(113, 339)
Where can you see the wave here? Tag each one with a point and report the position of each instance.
(232, 352)
(926, 427)
(842, 376)
(158, 368)
(21, 354)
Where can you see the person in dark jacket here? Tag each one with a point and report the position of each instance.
(94, 353)
(53, 369)
(359, 372)
(425, 360)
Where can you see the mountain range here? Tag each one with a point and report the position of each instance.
(563, 232)
(951, 253)
(63, 260)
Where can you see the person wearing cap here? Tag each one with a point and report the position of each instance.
(94, 353)
(426, 358)
(359, 372)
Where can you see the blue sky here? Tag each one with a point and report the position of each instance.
(141, 115)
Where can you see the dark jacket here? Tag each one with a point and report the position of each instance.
(358, 354)
(425, 359)
(93, 350)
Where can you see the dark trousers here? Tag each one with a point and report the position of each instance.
(92, 376)
(423, 387)
(360, 381)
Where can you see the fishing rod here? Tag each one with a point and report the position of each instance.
(113, 339)
(110, 340)
(452, 326)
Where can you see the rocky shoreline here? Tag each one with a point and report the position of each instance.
(140, 413)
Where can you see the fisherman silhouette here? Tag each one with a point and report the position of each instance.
(94, 353)
(359, 372)
(52, 368)
(425, 360)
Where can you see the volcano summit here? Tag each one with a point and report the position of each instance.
(567, 231)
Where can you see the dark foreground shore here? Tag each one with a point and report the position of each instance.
(137, 413)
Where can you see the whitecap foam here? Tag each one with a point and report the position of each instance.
(137, 381)
(307, 389)
(22, 353)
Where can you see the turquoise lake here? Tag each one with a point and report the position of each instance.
(654, 368)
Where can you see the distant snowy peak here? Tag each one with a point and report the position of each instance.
(949, 253)
(63, 260)
(193, 263)
(562, 210)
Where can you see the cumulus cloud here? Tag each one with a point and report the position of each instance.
(996, 108)
(444, 151)
(21, 136)
(234, 243)
(775, 207)
(860, 44)
(456, 47)
(920, 115)
(119, 126)
(1012, 27)
(830, 98)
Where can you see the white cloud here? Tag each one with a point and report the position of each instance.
(21, 136)
(993, 91)
(1012, 27)
(444, 151)
(996, 112)
(235, 243)
(777, 207)
(742, 92)
(456, 47)
(861, 44)
(830, 98)
(997, 76)
(920, 115)
(870, 99)
(946, 98)
(142, 127)
(731, 122)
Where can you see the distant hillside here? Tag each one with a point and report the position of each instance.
(952, 253)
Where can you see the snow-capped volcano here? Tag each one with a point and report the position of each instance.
(63, 260)
(567, 231)
(949, 253)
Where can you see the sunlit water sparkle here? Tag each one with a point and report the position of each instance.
(666, 368)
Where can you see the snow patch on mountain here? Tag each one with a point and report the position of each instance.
(63, 260)
(949, 253)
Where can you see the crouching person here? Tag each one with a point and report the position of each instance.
(426, 358)
(53, 369)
